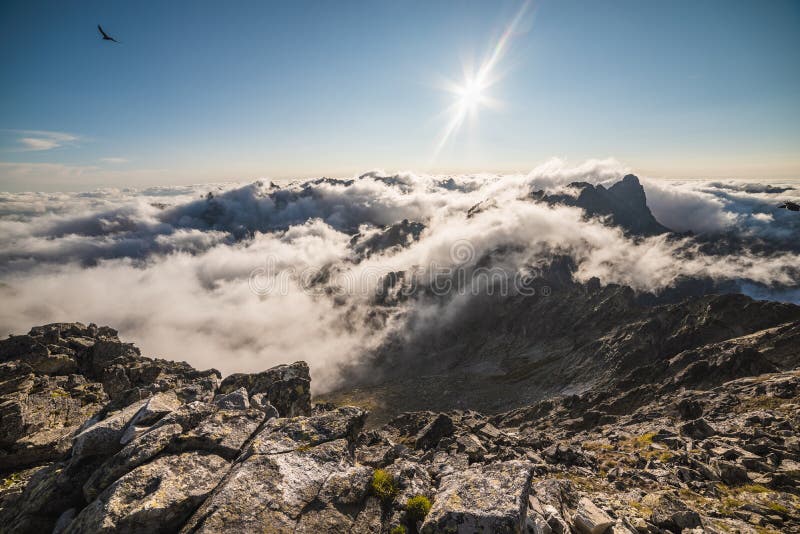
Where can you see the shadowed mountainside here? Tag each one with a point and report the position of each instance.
(503, 352)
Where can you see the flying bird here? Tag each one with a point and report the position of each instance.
(791, 206)
(106, 37)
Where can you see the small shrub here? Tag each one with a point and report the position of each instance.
(383, 485)
(761, 402)
(398, 529)
(12, 480)
(658, 454)
(777, 507)
(665, 457)
(730, 505)
(417, 508)
(597, 446)
(645, 439)
(754, 488)
(609, 464)
(643, 509)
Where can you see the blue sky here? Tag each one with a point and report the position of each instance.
(214, 91)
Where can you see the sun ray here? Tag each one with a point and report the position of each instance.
(471, 94)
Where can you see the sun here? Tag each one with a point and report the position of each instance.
(470, 95)
(467, 98)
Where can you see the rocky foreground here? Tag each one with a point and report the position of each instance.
(95, 437)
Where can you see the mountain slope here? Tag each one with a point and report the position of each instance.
(706, 439)
(501, 352)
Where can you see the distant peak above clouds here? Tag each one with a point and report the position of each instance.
(624, 203)
(140, 224)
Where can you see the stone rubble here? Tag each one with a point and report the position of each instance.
(95, 437)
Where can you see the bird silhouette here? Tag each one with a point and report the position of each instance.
(791, 206)
(106, 37)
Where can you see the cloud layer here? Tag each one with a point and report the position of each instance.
(172, 268)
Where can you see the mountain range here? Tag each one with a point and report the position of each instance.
(567, 404)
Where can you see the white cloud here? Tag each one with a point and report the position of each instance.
(34, 143)
(114, 160)
(685, 207)
(557, 172)
(705, 207)
(36, 140)
(171, 270)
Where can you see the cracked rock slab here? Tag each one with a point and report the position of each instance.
(489, 498)
(155, 497)
(278, 490)
(284, 435)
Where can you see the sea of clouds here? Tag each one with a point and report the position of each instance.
(173, 268)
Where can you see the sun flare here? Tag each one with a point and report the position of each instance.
(471, 94)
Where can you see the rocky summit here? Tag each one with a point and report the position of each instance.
(95, 437)
(624, 204)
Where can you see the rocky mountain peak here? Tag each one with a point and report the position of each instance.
(624, 203)
(397, 235)
(630, 191)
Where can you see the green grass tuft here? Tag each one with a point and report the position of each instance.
(777, 507)
(12, 480)
(383, 485)
(645, 439)
(417, 507)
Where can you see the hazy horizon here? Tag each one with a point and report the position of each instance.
(78, 187)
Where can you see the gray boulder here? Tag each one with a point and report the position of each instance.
(134, 454)
(155, 497)
(287, 387)
(204, 428)
(224, 432)
(490, 498)
(697, 429)
(285, 435)
(433, 432)
(103, 437)
(730, 473)
(274, 490)
(671, 513)
(590, 519)
(235, 400)
(153, 409)
(296, 475)
(261, 402)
